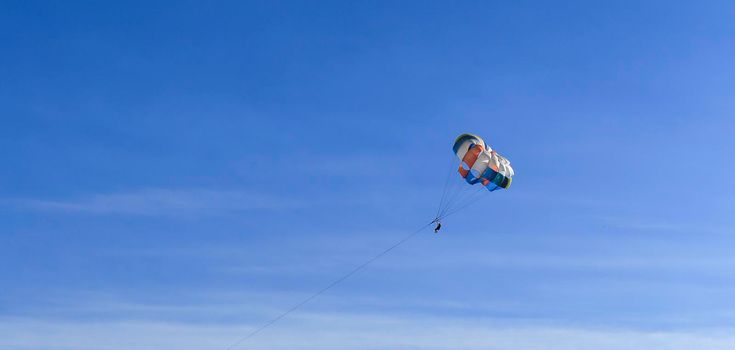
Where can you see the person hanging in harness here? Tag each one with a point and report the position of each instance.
(438, 226)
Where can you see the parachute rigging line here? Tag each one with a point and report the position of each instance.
(464, 196)
(455, 190)
(328, 287)
(465, 199)
(444, 190)
(451, 195)
(459, 195)
(470, 200)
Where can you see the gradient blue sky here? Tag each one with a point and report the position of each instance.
(177, 173)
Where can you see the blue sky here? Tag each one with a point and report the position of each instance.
(177, 173)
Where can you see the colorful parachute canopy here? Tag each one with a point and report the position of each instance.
(480, 164)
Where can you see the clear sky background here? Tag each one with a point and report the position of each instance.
(176, 173)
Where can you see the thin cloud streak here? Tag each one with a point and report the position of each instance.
(245, 260)
(158, 201)
(339, 331)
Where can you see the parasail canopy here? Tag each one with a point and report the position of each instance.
(481, 164)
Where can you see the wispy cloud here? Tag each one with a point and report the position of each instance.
(345, 331)
(157, 201)
(686, 225)
(215, 320)
(574, 263)
(353, 247)
(327, 165)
